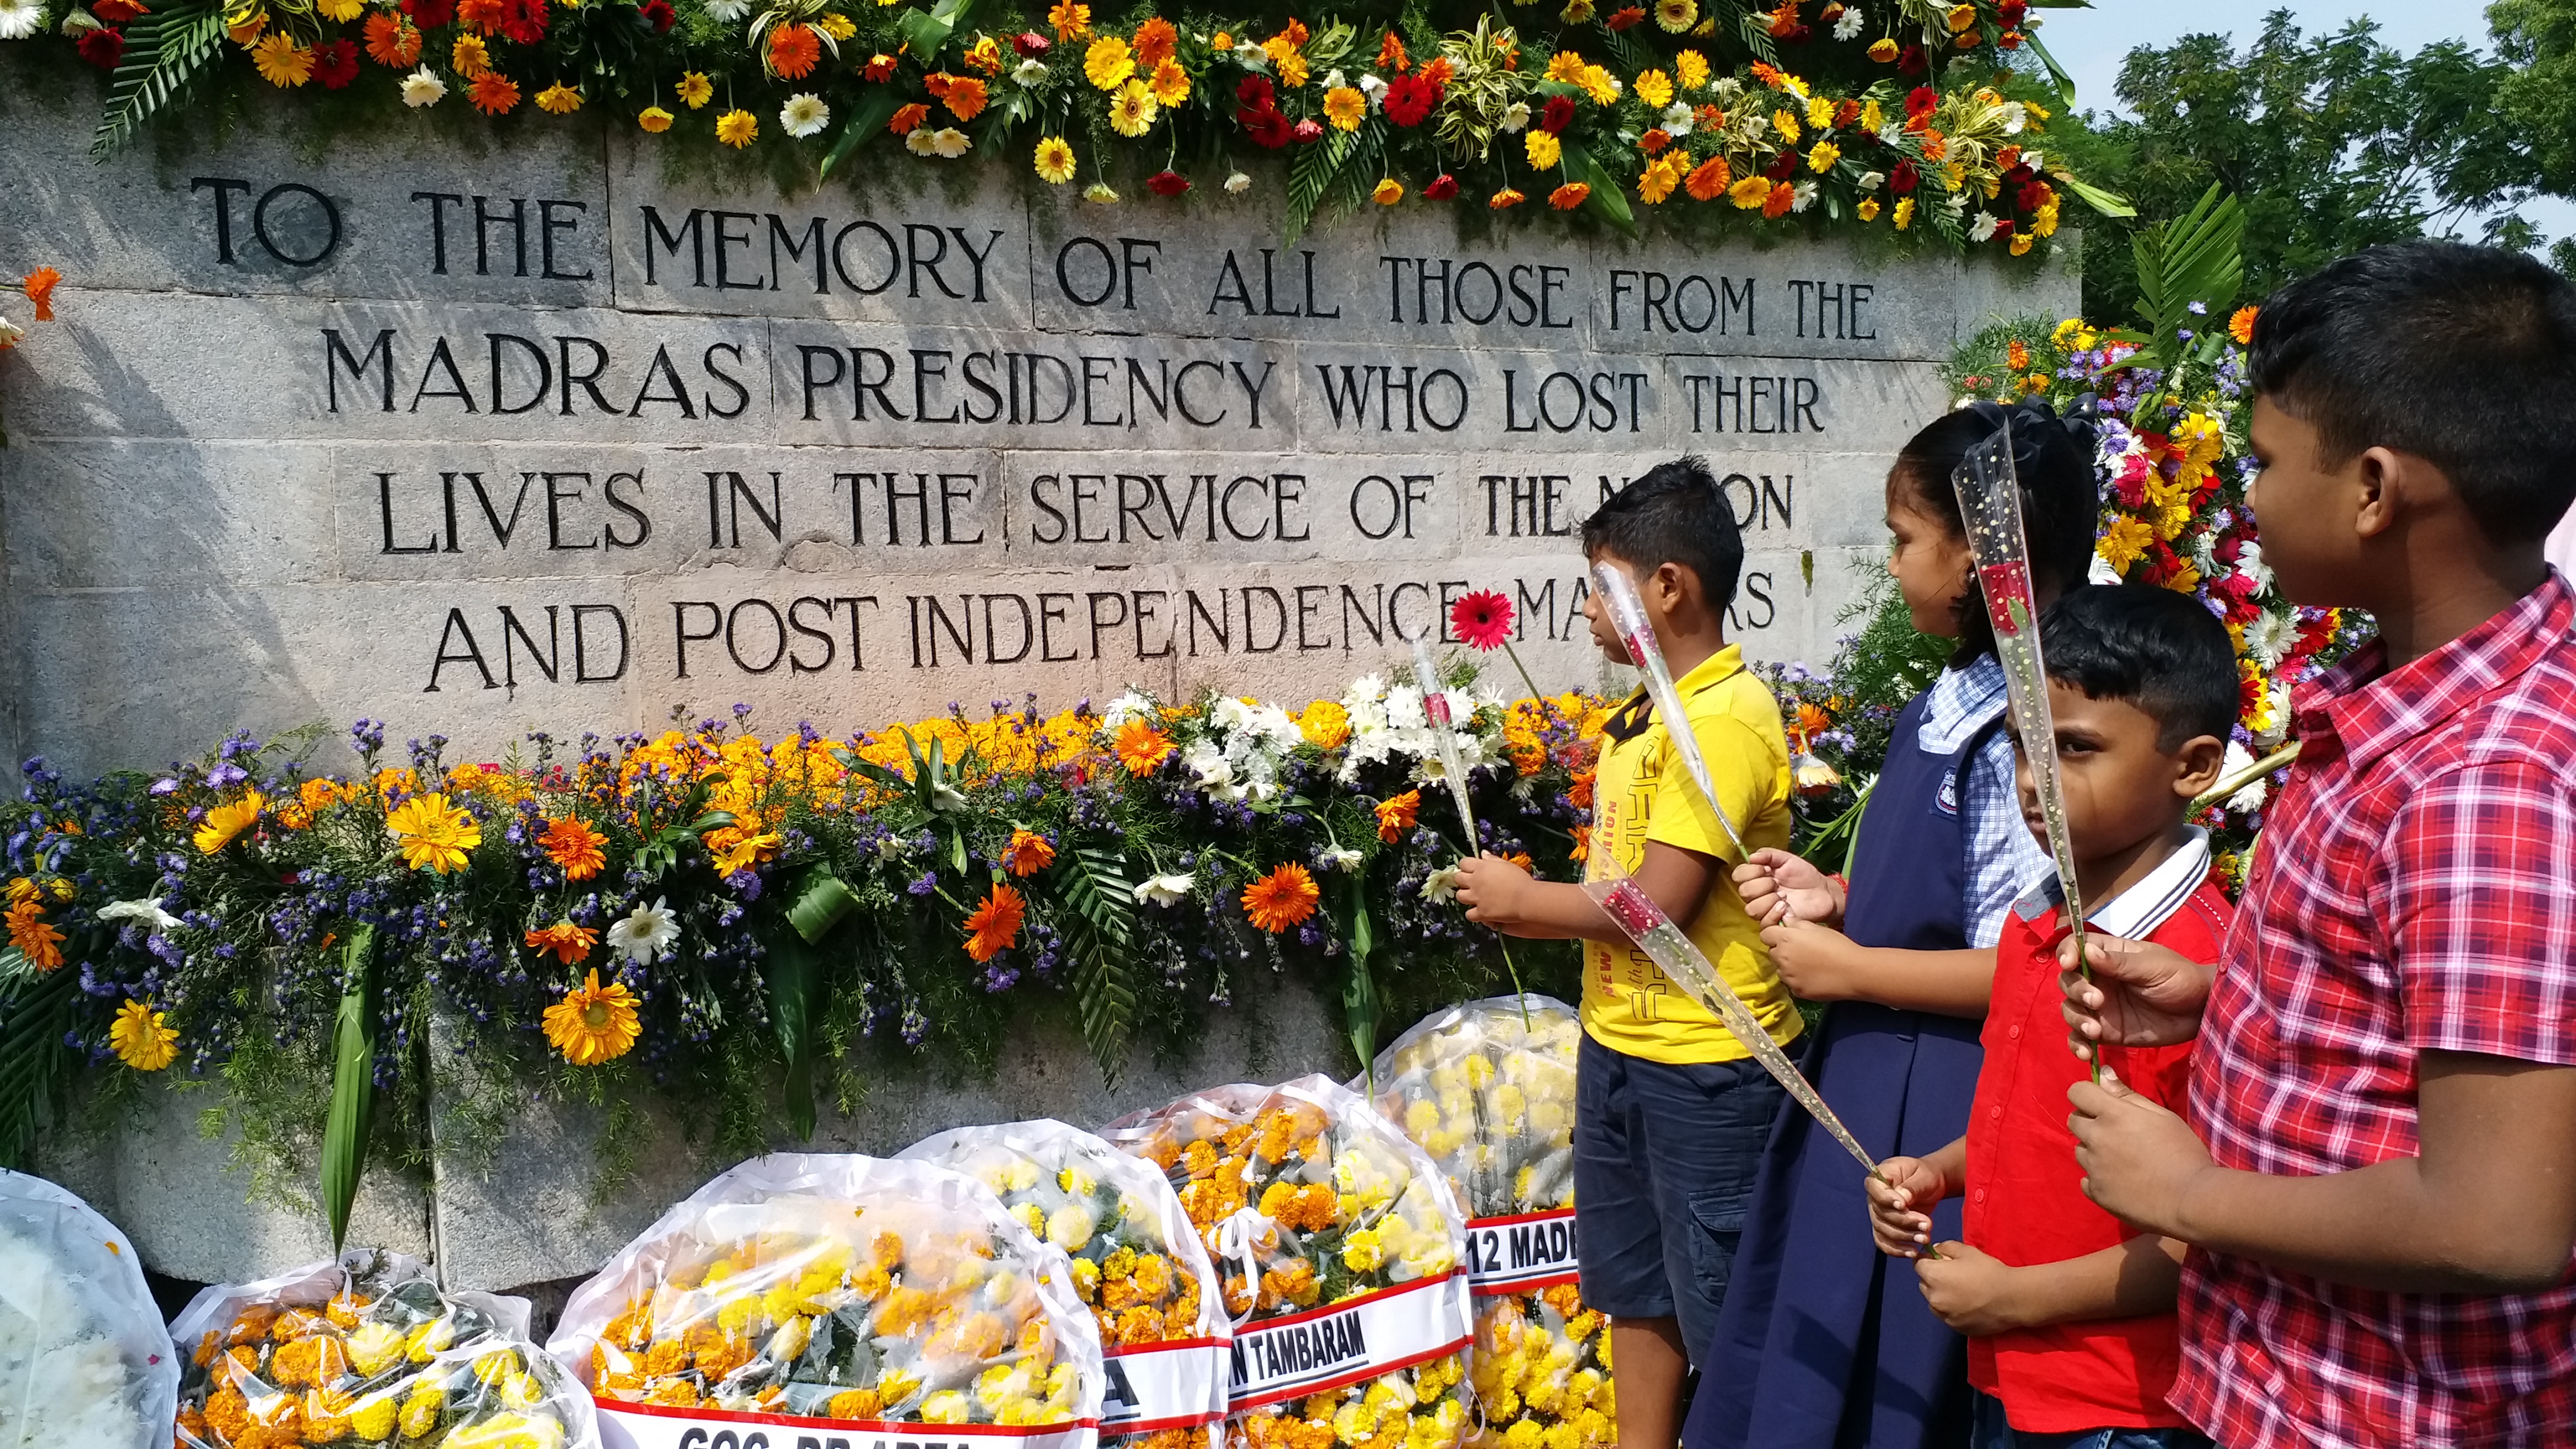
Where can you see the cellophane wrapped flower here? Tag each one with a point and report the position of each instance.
(367, 1349)
(1487, 1090)
(83, 1356)
(1337, 1245)
(1137, 1262)
(828, 1290)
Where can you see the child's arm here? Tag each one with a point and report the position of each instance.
(1903, 1193)
(2488, 1204)
(1977, 1294)
(1822, 964)
(1500, 894)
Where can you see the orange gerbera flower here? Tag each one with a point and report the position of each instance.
(908, 118)
(794, 51)
(1141, 747)
(40, 285)
(1156, 40)
(573, 845)
(2240, 326)
(570, 943)
(1569, 196)
(1708, 181)
(1397, 814)
(966, 97)
(1582, 842)
(995, 924)
(494, 94)
(392, 40)
(1281, 899)
(36, 940)
(1028, 853)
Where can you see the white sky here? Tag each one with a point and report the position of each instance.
(2090, 44)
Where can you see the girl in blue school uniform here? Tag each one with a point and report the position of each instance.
(1823, 1342)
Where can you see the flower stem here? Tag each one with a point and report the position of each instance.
(1524, 670)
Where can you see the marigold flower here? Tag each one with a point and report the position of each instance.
(592, 1024)
(281, 61)
(654, 119)
(33, 935)
(392, 40)
(494, 94)
(574, 847)
(995, 924)
(1028, 853)
(1569, 196)
(433, 834)
(695, 90)
(1709, 180)
(1156, 41)
(571, 944)
(1396, 815)
(794, 51)
(559, 100)
(1055, 160)
(1345, 107)
(2240, 324)
(1141, 747)
(224, 822)
(1071, 20)
(470, 57)
(1506, 198)
(737, 128)
(1286, 897)
(908, 118)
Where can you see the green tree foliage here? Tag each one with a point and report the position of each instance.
(2332, 142)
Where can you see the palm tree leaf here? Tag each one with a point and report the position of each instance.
(1097, 938)
(165, 49)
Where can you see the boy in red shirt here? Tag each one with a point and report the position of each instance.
(2069, 1312)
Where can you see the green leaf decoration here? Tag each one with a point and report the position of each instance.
(2196, 257)
(1097, 938)
(824, 902)
(1359, 985)
(2108, 203)
(353, 1083)
(165, 49)
(867, 120)
(795, 994)
(1607, 201)
(1631, 56)
(2056, 72)
(1311, 174)
(35, 1065)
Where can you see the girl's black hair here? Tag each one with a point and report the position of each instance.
(2061, 501)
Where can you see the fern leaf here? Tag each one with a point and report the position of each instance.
(1097, 938)
(1625, 50)
(1310, 177)
(165, 49)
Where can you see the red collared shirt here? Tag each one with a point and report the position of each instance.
(2415, 890)
(2026, 1201)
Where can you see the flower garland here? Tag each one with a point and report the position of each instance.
(654, 907)
(1885, 114)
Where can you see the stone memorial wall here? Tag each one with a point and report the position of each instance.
(481, 430)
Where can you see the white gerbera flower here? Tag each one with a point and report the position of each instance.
(918, 141)
(1849, 26)
(1373, 87)
(2015, 117)
(1129, 706)
(1251, 56)
(950, 142)
(1984, 230)
(1804, 196)
(1676, 120)
(1441, 886)
(10, 332)
(423, 88)
(144, 910)
(1333, 79)
(2255, 791)
(1515, 116)
(21, 18)
(1338, 857)
(645, 933)
(1030, 72)
(1163, 890)
(804, 115)
(1237, 183)
(1871, 180)
(726, 12)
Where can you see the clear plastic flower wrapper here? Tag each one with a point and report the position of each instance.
(1487, 1090)
(1337, 1246)
(849, 1298)
(365, 1349)
(1138, 1265)
(83, 1356)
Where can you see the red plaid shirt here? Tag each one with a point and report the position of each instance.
(2415, 890)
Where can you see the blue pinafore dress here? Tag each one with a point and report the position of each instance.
(1824, 1342)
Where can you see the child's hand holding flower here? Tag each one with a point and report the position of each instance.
(1901, 1197)
(1972, 1292)
(1777, 885)
(1494, 891)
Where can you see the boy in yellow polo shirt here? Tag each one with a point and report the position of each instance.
(1671, 1111)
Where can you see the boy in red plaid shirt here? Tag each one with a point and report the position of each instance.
(2384, 1216)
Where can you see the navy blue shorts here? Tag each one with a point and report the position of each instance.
(1664, 1159)
(1994, 1431)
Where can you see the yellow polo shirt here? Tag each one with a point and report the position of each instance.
(1641, 792)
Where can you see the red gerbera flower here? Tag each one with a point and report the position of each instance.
(1268, 128)
(335, 63)
(115, 12)
(430, 14)
(1556, 116)
(1626, 17)
(1920, 101)
(1167, 183)
(1306, 133)
(1409, 99)
(658, 14)
(1911, 62)
(102, 47)
(1482, 620)
(1440, 187)
(1902, 178)
(1253, 93)
(1031, 45)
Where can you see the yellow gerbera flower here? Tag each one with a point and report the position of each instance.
(1345, 107)
(1692, 68)
(1055, 160)
(224, 822)
(838, 26)
(737, 127)
(1904, 212)
(559, 100)
(1749, 193)
(1544, 151)
(1867, 210)
(1388, 192)
(1108, 63)
(471, 57)
(1132, 109)
(281, 61)
(654, 119)
(1823, 157)
(140, 1038)
(343, 11)
(696, 90)
(433, 834)
(593, 1023)
(1654, 88)
(1676, 16)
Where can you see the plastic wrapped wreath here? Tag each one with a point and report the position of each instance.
(83, 1356)
(832, 1292)
(1336, 1243)
(1137, 1264)
(1487, 1089)
(366, 1349)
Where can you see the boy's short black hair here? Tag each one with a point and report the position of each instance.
(1676, 513)
(2152, 647)
(2464, 356)
(2061, 497)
